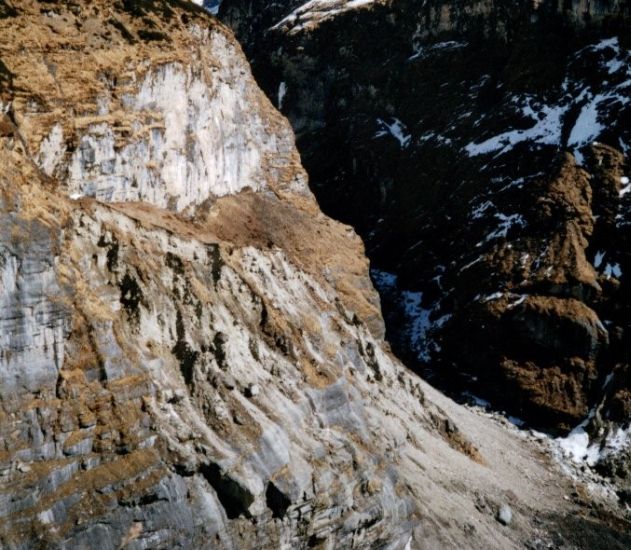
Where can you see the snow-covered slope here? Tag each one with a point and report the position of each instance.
(308, 15)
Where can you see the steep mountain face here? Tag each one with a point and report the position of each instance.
(191, 353)
(481, 149)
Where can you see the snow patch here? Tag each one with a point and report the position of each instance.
(598, 260)
(575, 446)
(613, 270)
(282, 91)
(507, 222)
(587, 127)
(419, 322)
(479, 211)
(592, 106)
(383, 279)
(546, 130)
(417, 319)
(396, 129)
(421, 51)
(515, 421)
(311, 13)
(470, 264)
(492, 297)
(617, 441)
(605, 43)
(477, 401)
(517, 302)
(210, 5)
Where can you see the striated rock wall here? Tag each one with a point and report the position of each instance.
(172, 131)
(35, 322)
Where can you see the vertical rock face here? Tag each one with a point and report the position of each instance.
(190, 351)
(35, 322)
(172, 132)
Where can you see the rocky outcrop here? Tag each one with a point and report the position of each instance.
(543, 339)
(481, 151)
(191, 353)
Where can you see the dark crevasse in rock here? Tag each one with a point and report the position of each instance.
(481, 150)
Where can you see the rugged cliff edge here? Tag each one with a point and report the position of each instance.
(191, 354)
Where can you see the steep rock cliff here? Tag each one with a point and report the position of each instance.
(191, 354)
